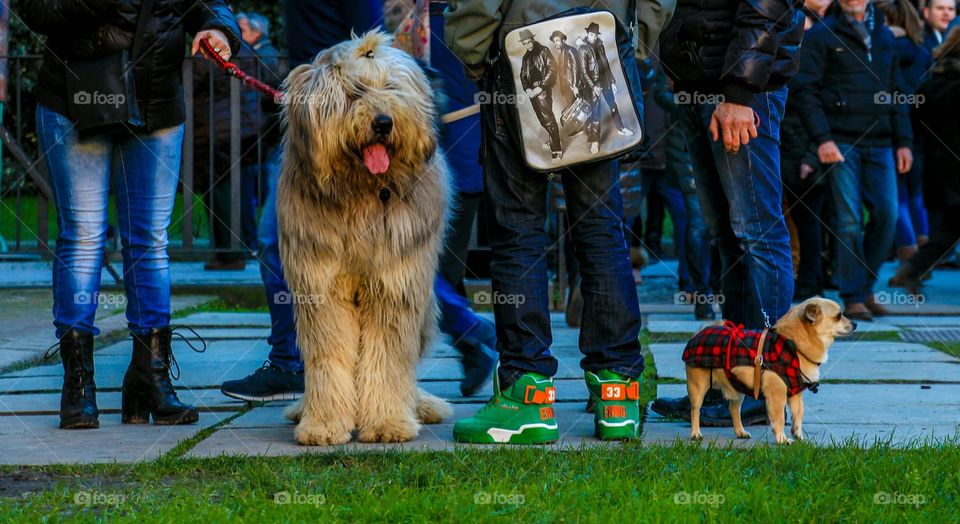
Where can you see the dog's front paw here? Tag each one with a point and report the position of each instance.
(397, 430)
(782, 439)
(696, 436)
(312, 433)
(743, 434)
(797, 432)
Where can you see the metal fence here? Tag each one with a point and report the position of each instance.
(29, 225)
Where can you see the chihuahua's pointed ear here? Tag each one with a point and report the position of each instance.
(812, 313)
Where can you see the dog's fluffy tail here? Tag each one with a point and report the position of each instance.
(432, 409)
(292, 412)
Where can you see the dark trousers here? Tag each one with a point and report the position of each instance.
(516, 200)
(944, 235)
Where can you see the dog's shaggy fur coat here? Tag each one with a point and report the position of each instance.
(362, 215)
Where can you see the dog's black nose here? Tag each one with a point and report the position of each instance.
(853, 325)
(382, 124)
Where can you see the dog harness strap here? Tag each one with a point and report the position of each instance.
(758, 364)
(532, 395)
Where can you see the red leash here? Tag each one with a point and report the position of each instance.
(231, 69)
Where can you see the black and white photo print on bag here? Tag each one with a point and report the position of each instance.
(573, 102)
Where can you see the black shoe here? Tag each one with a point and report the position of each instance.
(225, 264)
(78, 399)
(680, 407)
(704, 312)
(147, 389)
(753, 412)
(265, 384)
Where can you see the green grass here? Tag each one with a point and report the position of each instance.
(632, 483)
(950, 348)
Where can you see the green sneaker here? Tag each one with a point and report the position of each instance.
(616, 397)
(522, 414)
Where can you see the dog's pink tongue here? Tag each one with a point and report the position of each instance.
(376, 159)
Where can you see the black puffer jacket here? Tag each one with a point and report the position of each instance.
(938, 125)
(846, 94)
(79, 29)
(733, 47)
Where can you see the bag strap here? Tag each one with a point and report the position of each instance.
(146, 11)
(632, 14)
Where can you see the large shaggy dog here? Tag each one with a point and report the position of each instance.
(362, 208)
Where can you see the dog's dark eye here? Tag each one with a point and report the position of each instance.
(839, 316)
(356, 92)
(369, 54)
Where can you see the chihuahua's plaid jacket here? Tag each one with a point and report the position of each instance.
(709, 347)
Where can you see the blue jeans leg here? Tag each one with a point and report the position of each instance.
(284, 352)
(866, 177)
(80, 180)
(740, 196)
(143, 169)
(145, 174)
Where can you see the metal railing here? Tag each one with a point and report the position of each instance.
(25, 197)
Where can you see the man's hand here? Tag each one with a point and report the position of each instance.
(735, 123)
(805, 171)
(537, 91)
(904, 160)
(217, 40)
(829, 153)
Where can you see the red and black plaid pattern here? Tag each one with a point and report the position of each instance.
(708, 349)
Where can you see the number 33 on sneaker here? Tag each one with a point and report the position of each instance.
(522, 413)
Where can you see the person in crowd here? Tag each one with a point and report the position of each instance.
(213, 162)
(937, 117)
(849, 92)
(733, 135)
(915, 62)
(805, 183)
(538, 75)
(515, 198)
(691, 237)
(138, 158)
(473, 336)
(569, 76)
(938, 15)
(312, 26)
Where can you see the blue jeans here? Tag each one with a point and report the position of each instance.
(284, 352)
(143, 170)
(651, 182)
(740, 196)
(696, 248)
(912, 220)
(516, 199)
(867, 176)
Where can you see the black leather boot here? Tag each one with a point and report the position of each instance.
(78, 399)
(147, 389)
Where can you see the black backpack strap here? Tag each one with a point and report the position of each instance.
(146, 12)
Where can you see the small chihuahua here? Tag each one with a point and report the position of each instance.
(725, 356)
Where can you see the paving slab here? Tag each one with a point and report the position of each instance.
(109, 401)
(250, 439)
(37, 440)
(919, 322)
(857, 360)
(672, 323)
(867, 413)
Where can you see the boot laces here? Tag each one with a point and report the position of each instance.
(170, 361)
